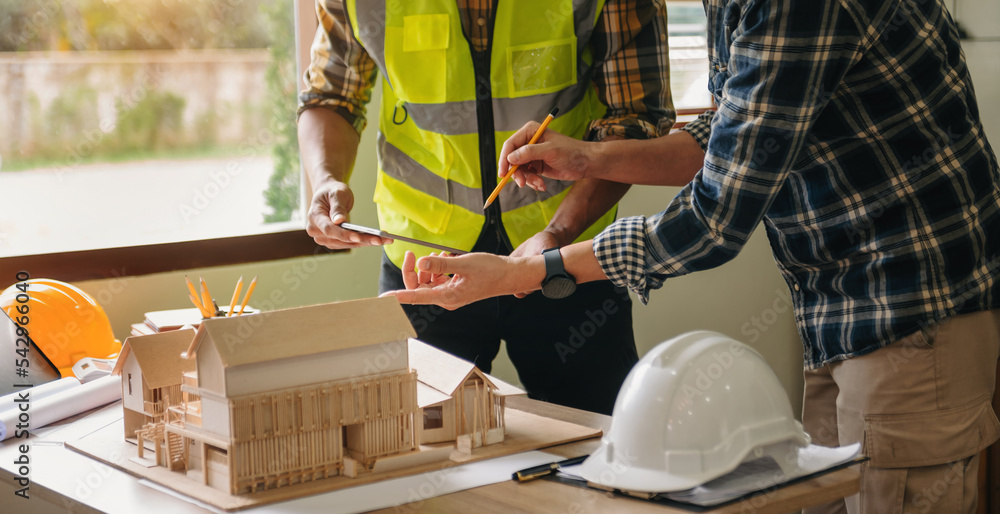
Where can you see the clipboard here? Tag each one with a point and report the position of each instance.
(382, 233)
(663, 499)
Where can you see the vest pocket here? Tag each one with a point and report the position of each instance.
(544, 67)
(416, 58)
(422, 32)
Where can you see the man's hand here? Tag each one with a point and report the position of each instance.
(331, 203)
(554, 156)
(473, 277)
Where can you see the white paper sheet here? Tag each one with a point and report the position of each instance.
(63, 405)
(38, 392)
(754, 475)
(399, 491)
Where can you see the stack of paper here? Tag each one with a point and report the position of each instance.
(173, 319)
(752, 476)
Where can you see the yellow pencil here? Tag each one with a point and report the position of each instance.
(236, 296)
(206, 297)
(253, 283)
(510, 172)
(197, 304)
(194, 296)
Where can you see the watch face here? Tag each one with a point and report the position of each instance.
(558, 287)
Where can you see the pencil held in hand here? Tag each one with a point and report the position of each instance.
(510, 172)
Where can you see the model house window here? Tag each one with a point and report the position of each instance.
(130, 384)
(131, 122)
(433, 417)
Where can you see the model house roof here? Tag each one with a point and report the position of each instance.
(440, 374)
(301, 331)
(158, 356)
(427, 395)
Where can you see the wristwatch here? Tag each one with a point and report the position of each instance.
(558, 283)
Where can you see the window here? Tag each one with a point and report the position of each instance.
(142, 136)
(134, 122)
(433, 417)
(688, 38)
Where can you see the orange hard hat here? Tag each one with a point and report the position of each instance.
(64, 322)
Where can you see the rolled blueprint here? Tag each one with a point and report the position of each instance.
(38, 392)
(60, 406)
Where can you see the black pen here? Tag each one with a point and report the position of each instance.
(545, 469)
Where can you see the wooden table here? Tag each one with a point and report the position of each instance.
(548, 496)
(60, 477)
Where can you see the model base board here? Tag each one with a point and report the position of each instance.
(525, 432)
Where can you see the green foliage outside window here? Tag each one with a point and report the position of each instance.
(282, 194)
(154, 126)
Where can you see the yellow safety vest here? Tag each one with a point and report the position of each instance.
(432, 178)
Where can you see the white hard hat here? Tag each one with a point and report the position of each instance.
(691, 410)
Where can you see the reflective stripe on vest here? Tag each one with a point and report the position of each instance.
(430, 182)
(403, 168)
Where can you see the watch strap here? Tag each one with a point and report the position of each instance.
(553, 264)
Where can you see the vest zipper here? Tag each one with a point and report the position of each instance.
(487, 136)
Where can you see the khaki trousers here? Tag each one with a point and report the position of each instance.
(921, 407)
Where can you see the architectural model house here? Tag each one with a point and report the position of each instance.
(152, 368)
(459, 402)
(296, 395)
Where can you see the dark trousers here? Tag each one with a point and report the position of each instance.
(575, 351)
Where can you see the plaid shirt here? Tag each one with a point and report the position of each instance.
(629, 45)
(851, 129)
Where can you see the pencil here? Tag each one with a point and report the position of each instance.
(253, 283)
(194, 295)
(510, 172)
(206, 297)
(197, 304)
(236, 296)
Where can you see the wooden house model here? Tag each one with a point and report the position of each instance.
(284, 397)
(459, 402)
(152, 368)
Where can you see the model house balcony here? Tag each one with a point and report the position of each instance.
(186, 414)
(154, 409)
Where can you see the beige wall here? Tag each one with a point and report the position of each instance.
(724, 300)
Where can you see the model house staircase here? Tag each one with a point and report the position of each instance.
(175, 452)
